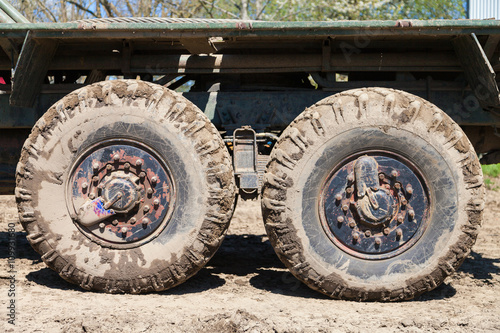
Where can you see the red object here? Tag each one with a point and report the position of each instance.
(2, 81)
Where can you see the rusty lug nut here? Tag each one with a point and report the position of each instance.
(91, 196)
(338, 197)
(95, 166)
(102, 225)
(387, 231)
(401, 218)
(84, 186)
(350, 178)
(109, 167)
(394, 173)
(138, 163)
(132, 220)
(124, 231)
(345, 208)
(381, 176)
(150, 191)
(411, 213)
(349, 190)
(352, 224)
(142, 175)
(146, 209)
(355, 236)
(116, 157)
(409, 189)
(156, 202)
(340, 219)
(399, 233)
(368, 233)
(154, 180)
(127, 166)
(378, 241)
(115, 222)
(145, 222)
(397, 186)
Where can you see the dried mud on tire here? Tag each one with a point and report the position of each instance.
(245, 288)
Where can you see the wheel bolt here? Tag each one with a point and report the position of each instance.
(381, 176)
(142, 175)
(84, 186)
(156, 203)
(401, 218)
(109, 167)
(115, 222)
(378, 241)
(127, 166)
(145, 222)
(387, 231)
(338, 197)
(138, 163)
(95, 179)
(399, 233)
(124, 231)
(132, 220)
(116, 157)
(91, 196)
(150, 192)
(95, 166)
(350, 178)
(340, 219)
(411, 213)
(355, 236)
(101, 225)
(345, 208)
(397, 186)
(146, 209)
(404, 201)
(352, 224)
(394, 173)
(154, 180)
(349, 190)
(409, 189)
(368, 233)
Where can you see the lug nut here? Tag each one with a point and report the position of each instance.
(397, 186)
(154, 180)
(409, 189)
(378, 241)
(132, 220)
(345, 208)
(95, 166)
(387, 231)
(355, 236)
(349, 190)
(156, 202)
(124, 231)
(352, 224)
(142, 175)
(404, 201)
(84, 186)
(350, 177)
(368, 233)
(109, 167)
(381, 176)
(116, 157)
(145, 222)
(91, 196)
(101, 225)
(394, 173)
(411, 213)
(95, 179)
(338, 197)
(126, 166)
(138, 163)
(150, 192)
(115, 222)
(401, 218)
(146, 209)
(340, 219)
(399, 233)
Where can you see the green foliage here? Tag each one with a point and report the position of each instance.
(491, 170)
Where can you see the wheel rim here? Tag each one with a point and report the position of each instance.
(375, 205)
(121, 193)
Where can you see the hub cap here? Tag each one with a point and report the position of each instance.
(121, 194)
(374, 205)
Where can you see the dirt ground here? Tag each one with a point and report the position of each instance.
(245, 288)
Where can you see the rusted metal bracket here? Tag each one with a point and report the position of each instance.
(31, 69)
(478, 70)
(245, 158)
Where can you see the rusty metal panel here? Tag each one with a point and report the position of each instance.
(484, 9)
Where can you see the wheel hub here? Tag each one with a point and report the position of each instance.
(121, 193)
(374, 206)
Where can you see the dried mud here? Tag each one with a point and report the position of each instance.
(245, 288)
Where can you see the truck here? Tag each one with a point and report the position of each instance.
(362, 140)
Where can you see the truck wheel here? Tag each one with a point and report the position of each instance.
(373, 194)
(125, 186)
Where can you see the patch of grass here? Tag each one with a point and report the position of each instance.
(491, 171)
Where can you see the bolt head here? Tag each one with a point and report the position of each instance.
(394, 173)
(116, 157)
(397, 186)
(102, 225)
(145, 221)
(154, 180)
(368, 233)
(350, 177)
(401, 218)
(404, 202)
(352, 224)
(338, 197)
(411, 213)
(355, 236)
(91, 196)
(115, 222)
(399, 232)
(95, 179)
(156, 202)
(150, 191)
(387, 231)
(349, 190)
(85, 185)
(138, 163)
(345, 208)
(340, 219)
(378, 241)
(132, 220)
(381, 176)
(95, 166)
(109, 167)
(142, 175)
(146, 209)
(409, 189)
(126, 166)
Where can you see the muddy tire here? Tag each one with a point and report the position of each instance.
(347, 156)
(163, 154)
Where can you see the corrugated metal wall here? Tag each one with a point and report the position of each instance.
(484, 9)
